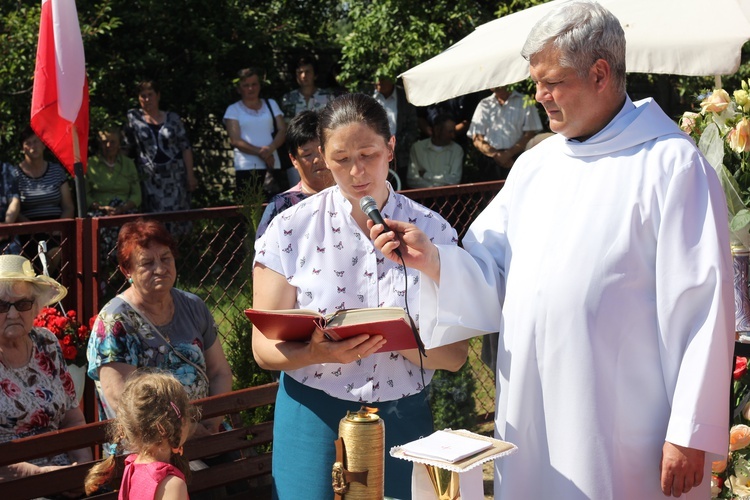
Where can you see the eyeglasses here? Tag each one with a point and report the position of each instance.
(20, 305)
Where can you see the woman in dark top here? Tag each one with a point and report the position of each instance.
(45, 194)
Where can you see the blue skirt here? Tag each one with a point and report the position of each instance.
(306, 424)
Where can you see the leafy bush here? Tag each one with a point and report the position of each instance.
(452, 399)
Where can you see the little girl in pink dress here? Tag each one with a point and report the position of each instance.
(154, 420)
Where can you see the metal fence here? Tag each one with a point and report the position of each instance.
(214, 261)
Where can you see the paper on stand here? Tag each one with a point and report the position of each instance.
(470, 474)
(446, 446)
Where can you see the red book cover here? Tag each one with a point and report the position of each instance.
(298, 325)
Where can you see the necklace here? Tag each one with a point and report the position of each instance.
(111, 164)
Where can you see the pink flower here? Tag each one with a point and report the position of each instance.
(719, 466)
(10, 388)
(44, 362)
(717, 102)
(687, 122)
(739, 437)
(739, 136)
(38, 419)
(68, 384)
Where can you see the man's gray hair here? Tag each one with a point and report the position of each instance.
(584, 31)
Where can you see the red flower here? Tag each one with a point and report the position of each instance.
(9, 388)
(66, 340)
(70, 352)
(72, 315)
(68, 384)
(740, 367)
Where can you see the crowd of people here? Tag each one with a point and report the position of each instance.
(614, 350)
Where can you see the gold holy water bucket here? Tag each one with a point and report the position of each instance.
(445, 482)
(359, 470)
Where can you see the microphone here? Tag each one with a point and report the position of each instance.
(370, 207)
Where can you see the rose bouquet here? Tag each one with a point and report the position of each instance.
(73, 335)
(721, 129)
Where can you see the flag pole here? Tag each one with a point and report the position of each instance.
(80, 183)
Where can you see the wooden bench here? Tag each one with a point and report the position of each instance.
(254, 465)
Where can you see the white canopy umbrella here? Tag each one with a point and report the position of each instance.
(683, 37)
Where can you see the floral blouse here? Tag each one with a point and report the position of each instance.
(171, 140)
(122, 335)
(36, 397)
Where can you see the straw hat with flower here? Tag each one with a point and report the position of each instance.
(18, 268)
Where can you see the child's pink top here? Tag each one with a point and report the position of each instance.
(139, 481)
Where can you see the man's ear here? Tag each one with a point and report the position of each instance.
(601, 73)
(392, 148)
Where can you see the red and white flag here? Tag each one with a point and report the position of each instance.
(60, 102)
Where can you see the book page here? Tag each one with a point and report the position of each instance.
(365, 315)
(445, 446)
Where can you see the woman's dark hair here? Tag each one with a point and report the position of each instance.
(304, 61)
(302, 129)
(141, 233)
(353, 108)
(25, 134)
(147, 85)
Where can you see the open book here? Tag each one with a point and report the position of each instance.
(299, 324)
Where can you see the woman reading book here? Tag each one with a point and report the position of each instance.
(317, 255)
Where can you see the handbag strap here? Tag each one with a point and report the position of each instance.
(164, 340)
(273, 118)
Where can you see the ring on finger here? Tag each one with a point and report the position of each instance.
(360, 357)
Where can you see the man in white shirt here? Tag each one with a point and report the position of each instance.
(402, 120)
(437, 160)
(500, 128)
(604, 262)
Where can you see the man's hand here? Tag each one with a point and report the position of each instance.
(681, 469)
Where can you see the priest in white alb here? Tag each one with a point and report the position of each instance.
(604, 262)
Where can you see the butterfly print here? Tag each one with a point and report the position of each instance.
(361, 400)
(400, 268)
(316, 271)
(399, 205)
(368, 275)
(415, 280)
(381, 304)
(322, 311)
(369, 379)
(359, 362)
(349, 388)
(302, 262)
(381, 276)
(339, 273)
(339, 246)
(432, 240)
(400, 293)
(289, 279)
(315, 212)
(379, 260)
(286, 217)
(341, 306)
(419, 386)
(355, 260)
(361, 298)
(341, 289)
(332, 214)
(320, 250)
(358, 236)
(376, 387)
(288, 248)
(429, 215)
(454, 240)
(288, 233)
(412, 221)
(443, 226)
(375, 367)
(304, 379)
(336, 229)
(262, 252)
(394, 355)
(318, 375)
(308, 295)
(410, 373)
(337, 372)
(389, 382)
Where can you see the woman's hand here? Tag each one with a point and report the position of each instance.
(352, 349)
(415, 246)
(192, 182)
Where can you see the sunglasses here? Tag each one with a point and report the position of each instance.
(20, 305)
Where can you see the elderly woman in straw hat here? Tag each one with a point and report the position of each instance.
(36, 391)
